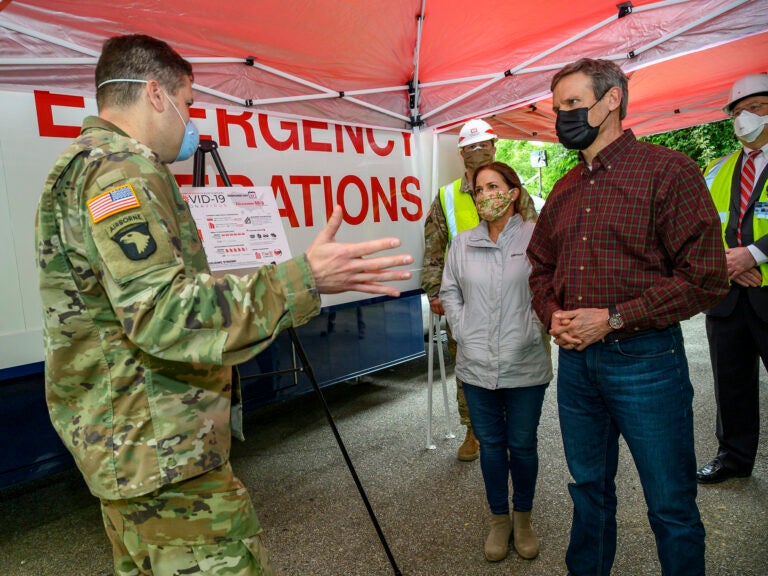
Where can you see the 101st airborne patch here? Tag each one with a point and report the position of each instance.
(131, 233)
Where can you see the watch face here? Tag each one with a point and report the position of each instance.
(616, 321)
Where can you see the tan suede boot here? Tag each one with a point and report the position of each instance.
(526, 543)
(497, 543)
(470, 448)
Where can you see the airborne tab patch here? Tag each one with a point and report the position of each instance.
(112, 202)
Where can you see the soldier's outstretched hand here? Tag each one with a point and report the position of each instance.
(340, 267)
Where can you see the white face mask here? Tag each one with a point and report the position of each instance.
(748, 126)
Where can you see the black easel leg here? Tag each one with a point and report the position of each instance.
(308, 369)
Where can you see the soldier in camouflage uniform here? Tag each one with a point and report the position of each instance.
(140, 339)
(477, 148)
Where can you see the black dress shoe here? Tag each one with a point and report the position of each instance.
(716, 471)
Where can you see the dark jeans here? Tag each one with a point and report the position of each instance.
(505, 422)
(637, 387)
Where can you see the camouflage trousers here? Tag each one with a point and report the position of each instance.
(460, 400)
(204, 526)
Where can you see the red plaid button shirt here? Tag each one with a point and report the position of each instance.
(639, 231)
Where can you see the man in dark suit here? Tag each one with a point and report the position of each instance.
(737, 327)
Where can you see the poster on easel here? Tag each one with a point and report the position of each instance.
(240, 227)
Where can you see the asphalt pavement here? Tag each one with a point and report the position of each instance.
(430, 507)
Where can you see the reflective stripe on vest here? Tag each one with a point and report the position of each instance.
(712, 170)
(459, 209)
(719, 178)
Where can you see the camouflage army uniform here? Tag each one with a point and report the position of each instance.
(140, 340)
(161, 544)
(435, 249)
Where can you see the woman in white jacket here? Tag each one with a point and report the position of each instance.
(503, 353)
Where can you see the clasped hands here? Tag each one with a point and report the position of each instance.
(577, 329)
(742, 267)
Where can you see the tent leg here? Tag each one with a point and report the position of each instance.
(441, 359)
(431, 354)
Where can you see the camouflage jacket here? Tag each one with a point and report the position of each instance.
(139, 337)
(436, 238)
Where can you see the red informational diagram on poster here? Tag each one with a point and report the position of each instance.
(239, 226)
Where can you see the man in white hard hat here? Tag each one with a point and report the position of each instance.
(737, 327)
(453, 211)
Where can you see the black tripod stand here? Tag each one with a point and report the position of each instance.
(198, 179)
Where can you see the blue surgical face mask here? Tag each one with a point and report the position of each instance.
(191, 135)
(190, 142)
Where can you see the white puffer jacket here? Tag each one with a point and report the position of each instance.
(501, 343)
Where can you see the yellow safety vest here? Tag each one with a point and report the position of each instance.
(719, 176)
(459, 209)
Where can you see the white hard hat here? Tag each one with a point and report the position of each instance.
(475, 131)
(750, 85)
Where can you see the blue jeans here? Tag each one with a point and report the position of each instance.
(637, 387)
(505, 422)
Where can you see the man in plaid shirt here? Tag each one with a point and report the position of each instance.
(627, 245)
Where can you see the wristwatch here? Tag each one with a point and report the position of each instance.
(615, 319)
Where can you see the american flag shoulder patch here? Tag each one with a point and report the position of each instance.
(112, 202)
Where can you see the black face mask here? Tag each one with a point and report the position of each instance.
(573, 128)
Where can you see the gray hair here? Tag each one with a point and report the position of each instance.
(604, 74)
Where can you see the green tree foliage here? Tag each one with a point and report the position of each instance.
(517, 153)
(703, 143)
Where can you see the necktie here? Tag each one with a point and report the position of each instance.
(747, 183)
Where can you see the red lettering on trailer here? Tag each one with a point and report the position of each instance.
(223, 121)
(201, 114)
(414, 199)
(309, 144)
(406, 143)
(341, 192)
(306, 183)
(328, 193)
(292, 141)
(44, 103)
(355, 134)
(281, 192)
(371, 198)
(385, 150)
(388, 200)
(307, 135)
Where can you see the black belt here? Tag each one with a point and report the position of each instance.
(618, 335)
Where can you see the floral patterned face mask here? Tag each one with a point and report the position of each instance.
(493, 205)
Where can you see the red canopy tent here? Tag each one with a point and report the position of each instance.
(405, 64)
